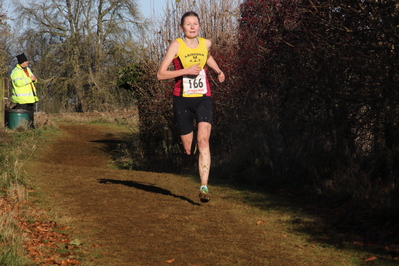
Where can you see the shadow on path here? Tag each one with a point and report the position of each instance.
(149, 188)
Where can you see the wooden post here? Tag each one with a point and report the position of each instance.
(2, 100)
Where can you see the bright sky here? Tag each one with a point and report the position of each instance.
(7, 4)
(148, 6)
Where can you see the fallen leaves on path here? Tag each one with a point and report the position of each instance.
(48, 243)
(371, 258)
(45, 242)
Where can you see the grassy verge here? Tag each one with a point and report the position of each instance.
(125, 118)
(28, 234)
(16, 147)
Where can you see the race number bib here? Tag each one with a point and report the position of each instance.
(195, 84)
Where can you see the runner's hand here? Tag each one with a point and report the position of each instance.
(221, 76)
(193, 70)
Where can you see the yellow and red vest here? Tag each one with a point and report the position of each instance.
(185, 58)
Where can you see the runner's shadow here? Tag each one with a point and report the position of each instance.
(149, 188)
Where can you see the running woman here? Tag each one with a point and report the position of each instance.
(192, 93)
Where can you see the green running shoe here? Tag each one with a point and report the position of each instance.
(204, 194)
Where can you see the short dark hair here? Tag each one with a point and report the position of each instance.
(189, 14)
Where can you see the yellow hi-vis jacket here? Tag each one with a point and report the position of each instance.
(23, 88)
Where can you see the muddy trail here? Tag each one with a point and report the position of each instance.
(145, 218)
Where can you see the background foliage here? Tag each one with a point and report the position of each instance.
(77, 48)
(327, 72)
(310, 101)
(5, 33)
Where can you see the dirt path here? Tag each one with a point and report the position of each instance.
(143, 218)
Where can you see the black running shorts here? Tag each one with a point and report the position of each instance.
(186, 108)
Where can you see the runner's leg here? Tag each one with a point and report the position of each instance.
(204, 159)
(187, 141)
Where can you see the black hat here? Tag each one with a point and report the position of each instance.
(21, 58)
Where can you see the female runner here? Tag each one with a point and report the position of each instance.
(192, 93)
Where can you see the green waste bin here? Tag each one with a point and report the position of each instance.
(17, 118)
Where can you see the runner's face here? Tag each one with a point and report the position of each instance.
(190, 27)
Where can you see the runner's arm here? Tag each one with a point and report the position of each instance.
(164, 73)
(212, 63)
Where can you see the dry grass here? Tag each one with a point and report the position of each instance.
(14, 194)
(125, 118)
(17, 148)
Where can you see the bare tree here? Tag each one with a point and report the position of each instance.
(4, 40)
(78, 47)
